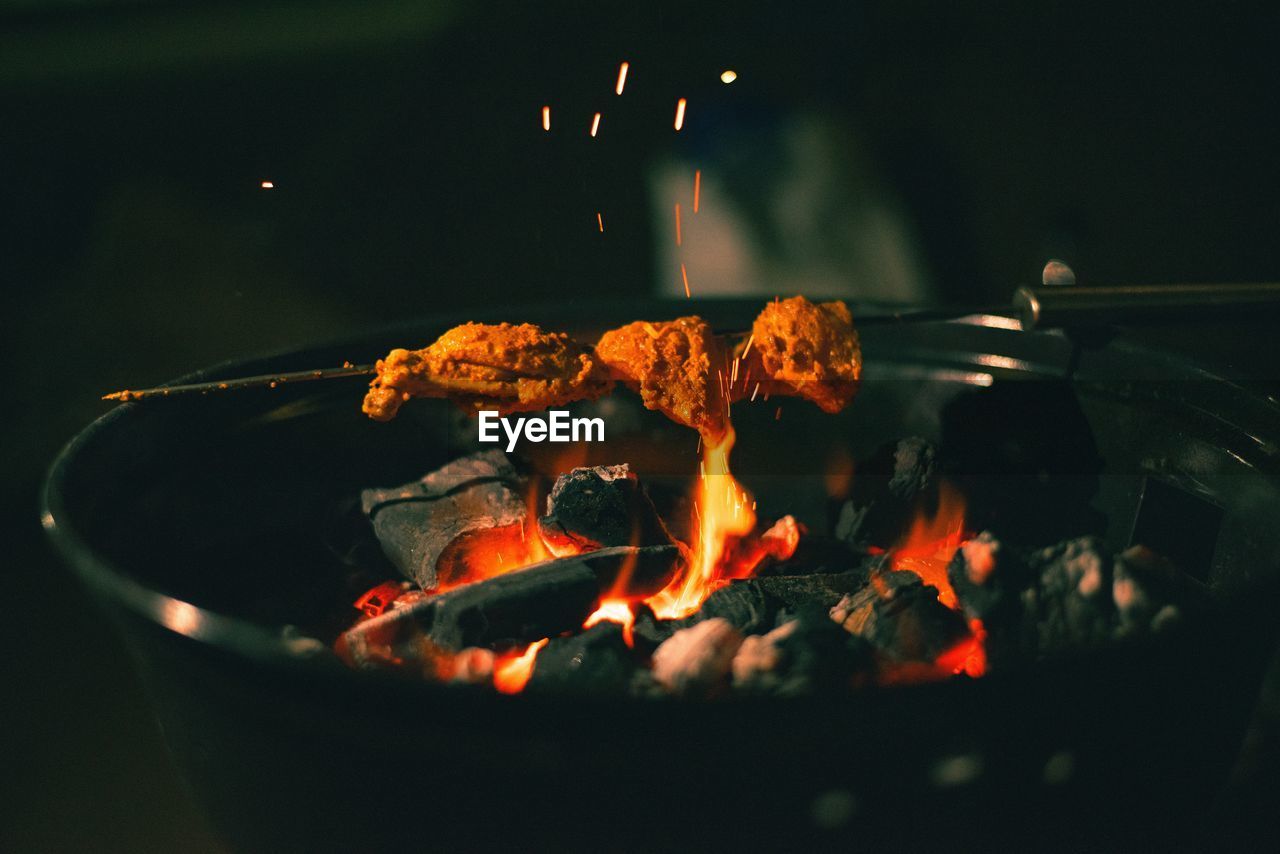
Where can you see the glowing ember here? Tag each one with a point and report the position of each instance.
(728, 75)
(546, 118)
(931, 541)
(622, 77)
(722, 509)
(600, 221)
(511, 673)
(267, 185)
(615, 611)
(697, 188)
(677, 223)
(969, 656)
(595, 124)
(684, 274)
(680, 113)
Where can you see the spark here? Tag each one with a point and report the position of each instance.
(677, 223)
(600, 221)
(697, 188)
(267, 185)
(777, 416)
(684, 274)
(728, 75)
(746, 348)
(755, 392)
(546, 118)
(595, 124)
(680, 113)
(622, 77)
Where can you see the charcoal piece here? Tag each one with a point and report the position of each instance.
(794, 591)
(1149, 592)
(1071, 603)
(855, 611)
(988, 578)
(743, 604)
(696, 661)
(649, 631)
(815, 554)
(902, 617)
(889, 489)
(597, 661)
(915, 626)
(807, 653)
(473, 507)
(598, 507)
(536, 602)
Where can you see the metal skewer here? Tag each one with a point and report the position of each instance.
(1054, 304)
(260, 381)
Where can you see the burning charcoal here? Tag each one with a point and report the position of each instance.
(902, 617)
(696, 661)
(472, 666)
(593, 508)
(539, 601)
(988, 578)
(888, 488)
(807, 653)
(1071, 604)
(595, 661)
(649, 631)
(856, 610)
(742, 604)
(471, 509)
(821, 589)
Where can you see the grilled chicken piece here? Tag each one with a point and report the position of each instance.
(673, 365)
(806, 350)
(507, 367)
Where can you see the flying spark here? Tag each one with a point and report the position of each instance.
(595, 124)
(680, 113)
(267, 185)
(677, 223)
(546, 118)
(728, 75)
(600, 221)
(684, 274)
(622, 77)
(697, 188)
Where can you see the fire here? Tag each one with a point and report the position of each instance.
(932, 540)
(723, 509)
(615, 611)
(969, 656)
(511, 672)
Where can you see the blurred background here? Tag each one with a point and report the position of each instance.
(888, 151)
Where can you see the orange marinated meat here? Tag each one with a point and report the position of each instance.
(676, 366)
(507, 367)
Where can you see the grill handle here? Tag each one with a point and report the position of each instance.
(1072, 305)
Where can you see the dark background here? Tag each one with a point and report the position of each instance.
(1135, 140)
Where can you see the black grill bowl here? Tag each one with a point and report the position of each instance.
(200, 524)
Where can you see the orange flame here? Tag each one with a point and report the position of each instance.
(615, 611)
(511, 672)
(931, 541)
(722, 509)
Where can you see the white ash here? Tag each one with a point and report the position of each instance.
(697, 660)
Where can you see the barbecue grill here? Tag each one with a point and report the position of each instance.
(203, 525)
